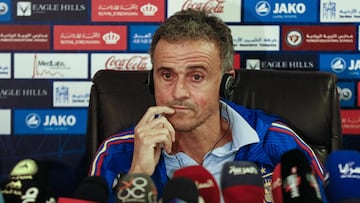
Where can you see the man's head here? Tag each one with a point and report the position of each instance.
(196, 25)
(190, 54)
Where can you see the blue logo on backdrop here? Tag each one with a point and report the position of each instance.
(280, 11)
(5, 10)
(59, 122)
(346, 94)
(345, 66)
(140, 37)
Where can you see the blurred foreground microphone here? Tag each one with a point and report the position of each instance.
(136, 188)
(298, 179)
(92, 188)
(1, 198)
(241, 182)
(204, 181)
(72, 200)
(276, 185)
(180, 190)
(342, 176)
(28, 182)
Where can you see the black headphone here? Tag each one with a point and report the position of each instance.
(227, 85)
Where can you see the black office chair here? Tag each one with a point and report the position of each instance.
(308, 100)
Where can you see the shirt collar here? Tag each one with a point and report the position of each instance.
(242, 133)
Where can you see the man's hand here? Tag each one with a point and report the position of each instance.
(152, 133)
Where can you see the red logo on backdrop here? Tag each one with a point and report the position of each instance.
(236, 61)
(132, 63)
(319, 38)
(128, 11)
(90, 37)
(24, 37)
(350, 121)
(209, 6)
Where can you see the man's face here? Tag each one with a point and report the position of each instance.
(187, 77)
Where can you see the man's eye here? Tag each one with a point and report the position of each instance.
(197, 77)
(166, 75)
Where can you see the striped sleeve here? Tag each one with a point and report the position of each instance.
(280, 127)
(105, 149)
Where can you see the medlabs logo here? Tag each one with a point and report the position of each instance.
(338, 65)
(65, 121)
(262, 8)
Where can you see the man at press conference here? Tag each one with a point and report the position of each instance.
(194, 122)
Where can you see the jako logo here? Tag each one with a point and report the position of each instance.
(59, 120)
(33, 120)
(345, 94)
(289, 8)
(338, 65)
(3, 8)
(262, 8)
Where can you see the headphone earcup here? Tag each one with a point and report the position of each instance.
(150, 82)
(227, 86)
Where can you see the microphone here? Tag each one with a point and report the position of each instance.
(298, 179)
(92, 188)
(28, 182)
(276, 185)
(180, 189)
(1, 198)
(136, 188)
(204, 181)
(342, 176)
(72, 200)
(241, 182)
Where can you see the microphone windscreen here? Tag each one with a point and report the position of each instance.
(241, 182)
(92, 188)
(27, 183)
(342, 176)
(1, 198)
(72, 200)
(204, 181)
(276, 184)
(136, 188)
(299, 181)
(180, 189)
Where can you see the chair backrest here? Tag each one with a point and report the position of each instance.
(308, 100)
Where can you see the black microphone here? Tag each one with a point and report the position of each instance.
(93, 188)
(299, 183)
(28, 182)
(241, 182)
(180, 189)
(136, 188)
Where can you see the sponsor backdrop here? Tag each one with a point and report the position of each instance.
(50, 50)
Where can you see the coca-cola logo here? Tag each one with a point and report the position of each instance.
(213, 6)
(132, 63)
